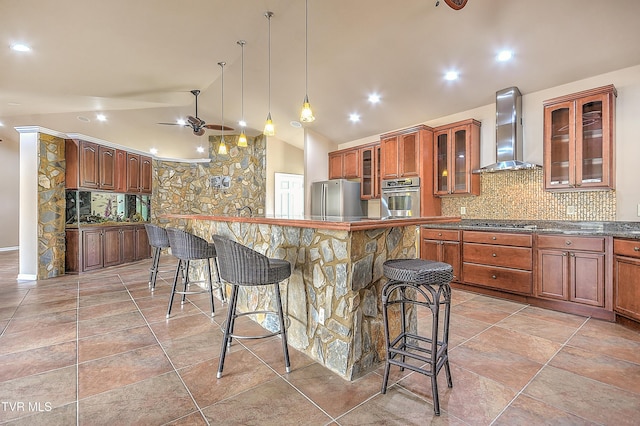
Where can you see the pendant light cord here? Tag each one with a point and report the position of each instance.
(269, 53)
(306, 47)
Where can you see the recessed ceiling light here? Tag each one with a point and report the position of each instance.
(153, 151)
(504, 55)
(451, 75)
(374, 98)
(242, 123)
(200, 149)
(181, 122)
(83, 119)
(20, 47)
(295, 124)
(101, 117)
(354, 117)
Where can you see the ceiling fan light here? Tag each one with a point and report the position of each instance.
(242, 140)
(222, 148)
(306, 115)
(269, 128)
(198, 132)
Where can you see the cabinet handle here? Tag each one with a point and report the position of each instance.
(494, 277)
(439, 234)
(493, 238)
(494, 255)
(572, 255)
(568, 242)
(564, 254)
(636, 249)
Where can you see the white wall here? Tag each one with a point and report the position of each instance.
(281, 158)
(316, 161)
(627, 140)
(9, 192)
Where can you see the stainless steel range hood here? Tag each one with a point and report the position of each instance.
(508, 133)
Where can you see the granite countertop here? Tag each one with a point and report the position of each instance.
(615, 229)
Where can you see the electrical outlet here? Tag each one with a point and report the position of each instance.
(463, 210)
(571, 210)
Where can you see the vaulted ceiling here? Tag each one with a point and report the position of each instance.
(136, 61)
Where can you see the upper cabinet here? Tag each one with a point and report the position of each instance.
(344, 164)
(401, 152)
(138, 173)
(579, 140)
(370, 171)
(457, 153)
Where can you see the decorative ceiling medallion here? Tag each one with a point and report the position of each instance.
(456, 4)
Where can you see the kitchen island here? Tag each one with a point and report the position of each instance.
(332, 299)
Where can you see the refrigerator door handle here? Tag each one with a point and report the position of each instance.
(323, 200)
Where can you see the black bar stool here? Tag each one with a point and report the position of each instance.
(158, 240)
(187, 247)
(418, 283)
(242, 266)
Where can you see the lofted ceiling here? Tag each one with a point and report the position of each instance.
(136, 62)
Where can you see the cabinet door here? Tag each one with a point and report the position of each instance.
(107, 167)
(351, 165)
(369, 173)
(143, 250)
(559, 145)
(112, 247)
(587, 278)
(133, 172)
(593, 142)
(89, 165)
(389, 158)
(461, 171)
(336, 166)
(451, 255)
(121, 171)
(129, 244)
(553, 275)
(146, 174)
(441, 162)
(92, 249)
(409, 155)
(627, 285)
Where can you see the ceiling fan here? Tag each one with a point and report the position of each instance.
(197, 124)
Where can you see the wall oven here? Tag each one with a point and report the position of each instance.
(400, 197)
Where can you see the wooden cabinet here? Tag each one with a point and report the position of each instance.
(99, 247)
(457, 153)
(579, 140)
(627, 277)
(139, 173)
(401, 153)
(498, 260)
(344, 164)
(370, 171)
(572, 269)
(121, 171)
(441, 245)
(107, 168)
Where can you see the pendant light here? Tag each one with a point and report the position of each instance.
(222, 148)
(306, 115)
(242, 139)
(269, 129)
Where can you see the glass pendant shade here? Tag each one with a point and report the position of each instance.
(269, 128)
(306, 115)
(222, 149)
(242, 140)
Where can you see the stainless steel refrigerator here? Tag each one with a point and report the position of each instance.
(336, 197)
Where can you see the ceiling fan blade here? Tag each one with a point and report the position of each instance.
(171, 124)
(217, 127)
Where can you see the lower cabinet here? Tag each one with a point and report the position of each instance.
(498, 260)
(441, 245)
(627, 278)
(99, 247)
(572, 269)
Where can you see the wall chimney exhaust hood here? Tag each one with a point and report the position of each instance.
(508, 133)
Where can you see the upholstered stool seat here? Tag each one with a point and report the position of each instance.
(415, 284)
(243, 266)
(188, 247)
(158, 240)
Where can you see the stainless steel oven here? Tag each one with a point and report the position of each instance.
(400, 197)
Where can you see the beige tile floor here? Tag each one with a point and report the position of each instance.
(96, 349)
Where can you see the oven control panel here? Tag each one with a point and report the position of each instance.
(401, 183)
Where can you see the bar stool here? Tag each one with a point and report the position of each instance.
(418, 283)
(242, 266)
(158, 240)
(187, 247)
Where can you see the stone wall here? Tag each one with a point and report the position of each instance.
(188, 188)
(51, 206)
(333, 296)
(520, 194)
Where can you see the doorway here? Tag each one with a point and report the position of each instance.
(289, 194)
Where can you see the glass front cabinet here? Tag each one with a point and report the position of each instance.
(579, 140)
(457, 154)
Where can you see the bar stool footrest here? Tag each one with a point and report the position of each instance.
(259, 336)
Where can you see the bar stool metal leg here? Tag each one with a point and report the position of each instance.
(285, 348)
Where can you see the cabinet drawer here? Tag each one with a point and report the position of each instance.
(565, 242)
(501, 238)
(507, 256)
(511, 280)
(629, 248)
(440, 234)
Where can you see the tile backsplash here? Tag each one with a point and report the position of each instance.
(520, 194)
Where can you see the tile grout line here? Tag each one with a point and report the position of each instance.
(175, 370)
